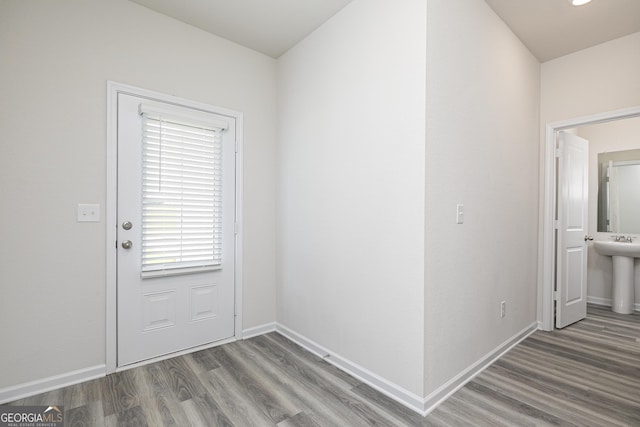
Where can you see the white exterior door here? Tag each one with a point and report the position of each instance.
(571, 277)
(167, 306)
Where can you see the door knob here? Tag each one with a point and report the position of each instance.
(127, 225)
(587, 238)
(127, 244)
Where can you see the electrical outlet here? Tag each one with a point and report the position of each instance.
(88, 212)
(503, 308)
(459, 213)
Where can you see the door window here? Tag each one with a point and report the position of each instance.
(181, 194)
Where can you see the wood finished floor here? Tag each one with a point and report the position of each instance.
(587, 374)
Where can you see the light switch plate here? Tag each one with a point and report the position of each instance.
(88, 212)
(459, 213)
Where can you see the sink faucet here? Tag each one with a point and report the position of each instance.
(629, 239)
(619, 238)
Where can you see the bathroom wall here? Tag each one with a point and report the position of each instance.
(618, 135)
(56, 59)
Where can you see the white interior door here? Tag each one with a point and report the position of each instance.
(571, 277)
(177, 300)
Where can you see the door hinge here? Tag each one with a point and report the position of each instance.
(556, 224)
(236, 146)
(235, 228)
(558, 152)
(556, 295)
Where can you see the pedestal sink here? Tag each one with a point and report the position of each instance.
(623, 254)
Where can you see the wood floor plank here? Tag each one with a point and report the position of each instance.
(156, 380)
(133, 417)
(578, 392)
(298, 375)
(451, 415)
(524, 392)
(338, 377)
(119, 393)
(182, 381)
(593, 358)
(223, 387)
(194, 416)
(400, 412)
(587, 374)
(584, 375)
(211, 412)
(86, 415)
(204, 359)
(273, 406)
(307, 386)
(112, 420)
(566, 393)
(300, 419)
(162, 410)
(473, 414)
(598, 344)
(300, 396)
(442, 417)
(81, 394)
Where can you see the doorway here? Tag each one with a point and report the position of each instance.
(173, 226)
(546, 289)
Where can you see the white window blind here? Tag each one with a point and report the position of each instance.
(181, 194)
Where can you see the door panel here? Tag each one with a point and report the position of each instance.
(571, 286)
(162, 314)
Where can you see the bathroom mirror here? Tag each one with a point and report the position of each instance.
(619, 192)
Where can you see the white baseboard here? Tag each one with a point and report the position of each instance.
(599, 301)
(258, 330)
(395, 392)
(457, 382)
(607, 302)
(9, 394)
(302, 341)
(423, 406)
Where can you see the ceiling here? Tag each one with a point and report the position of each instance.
(268, 26)
(553, 28)
(549, 28)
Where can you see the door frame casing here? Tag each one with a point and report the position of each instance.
(113, 89)
(548, 196)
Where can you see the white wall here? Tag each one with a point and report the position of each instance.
(482, 151)
(56, 58)
(351, 101)
(595, 80)
(618, 135)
